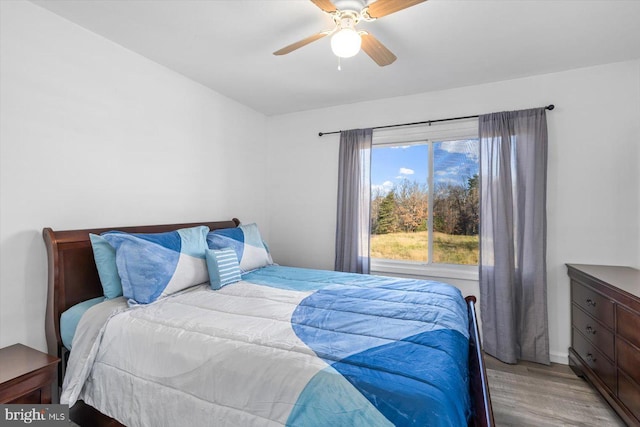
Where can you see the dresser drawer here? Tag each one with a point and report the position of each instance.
(628, 325)
(629, 394)
(628, 359)
(596, 305)
(596, 360)
(594, 331)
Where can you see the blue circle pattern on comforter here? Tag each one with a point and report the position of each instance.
(397, 350)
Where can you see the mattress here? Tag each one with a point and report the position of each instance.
(285, 346)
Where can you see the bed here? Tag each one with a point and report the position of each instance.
(301, 295)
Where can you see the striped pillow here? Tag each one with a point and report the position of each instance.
(223, 267)
(246, 241)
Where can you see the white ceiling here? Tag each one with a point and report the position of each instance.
(227, 45)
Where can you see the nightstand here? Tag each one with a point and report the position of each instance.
(26, 375)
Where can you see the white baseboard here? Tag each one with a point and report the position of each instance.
(562, 358)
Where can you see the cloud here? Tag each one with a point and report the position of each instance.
(449, 171)
(456, 175)
(383, 188)
(468, 147)
(406, 171)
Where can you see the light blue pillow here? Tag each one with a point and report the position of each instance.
(223, 267)
(247, 243)
(152, 266)
(105, 256)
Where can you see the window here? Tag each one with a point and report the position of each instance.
(425, 196)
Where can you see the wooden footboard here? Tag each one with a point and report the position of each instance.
(478, 385)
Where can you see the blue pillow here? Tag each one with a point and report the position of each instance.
(105, 256)
(247, 243)
(152, 266)
(223, 267)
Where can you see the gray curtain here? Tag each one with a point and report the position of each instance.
(513, 229)
(354, 200)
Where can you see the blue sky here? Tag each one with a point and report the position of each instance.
(454, 161)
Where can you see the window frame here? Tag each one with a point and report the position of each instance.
(436, 132)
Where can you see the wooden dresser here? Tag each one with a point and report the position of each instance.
(605, 333)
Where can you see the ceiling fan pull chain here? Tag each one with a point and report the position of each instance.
(339, 66)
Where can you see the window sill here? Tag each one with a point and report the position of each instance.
(414, 269)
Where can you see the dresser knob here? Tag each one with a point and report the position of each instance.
(591, 302)
(590, 357)
(591, 330)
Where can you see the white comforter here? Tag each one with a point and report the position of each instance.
(207, 375)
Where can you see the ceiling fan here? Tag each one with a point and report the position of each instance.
(346, 41)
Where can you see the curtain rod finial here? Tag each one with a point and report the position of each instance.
(320, 133)
(550, 107)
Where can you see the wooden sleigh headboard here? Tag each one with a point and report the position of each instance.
(73, 276)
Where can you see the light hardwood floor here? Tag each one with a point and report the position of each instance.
(529, 394)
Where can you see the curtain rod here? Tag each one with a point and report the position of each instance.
(548, 107)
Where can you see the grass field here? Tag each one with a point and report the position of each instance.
(447, 248)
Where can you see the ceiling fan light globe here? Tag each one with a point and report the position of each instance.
(346, 43)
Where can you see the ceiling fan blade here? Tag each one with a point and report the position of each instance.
(299, 44)
(386, 7)
(376, 50)
(325, 5)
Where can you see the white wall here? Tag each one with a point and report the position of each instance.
(593, 179)
(95, 135)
